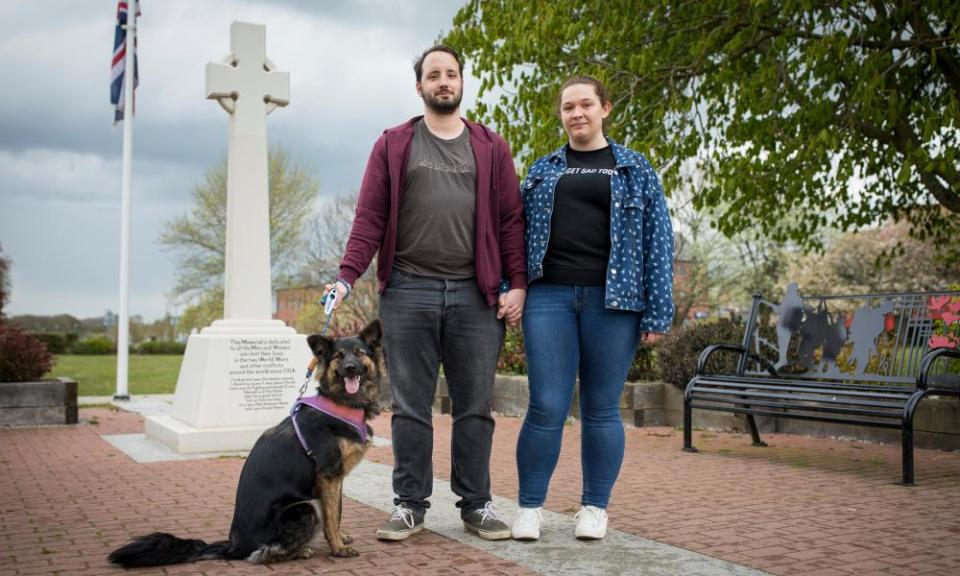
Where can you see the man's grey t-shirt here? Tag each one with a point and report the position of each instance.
(435, 226)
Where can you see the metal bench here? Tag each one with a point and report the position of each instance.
(865, 360)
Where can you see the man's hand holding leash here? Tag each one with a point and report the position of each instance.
(333, 295)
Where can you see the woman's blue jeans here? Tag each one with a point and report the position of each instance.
(567, 331)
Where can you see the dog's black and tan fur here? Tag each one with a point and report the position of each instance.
(285, 497)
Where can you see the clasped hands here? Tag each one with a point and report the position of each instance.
(510, 305)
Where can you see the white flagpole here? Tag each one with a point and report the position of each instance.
(123, 325)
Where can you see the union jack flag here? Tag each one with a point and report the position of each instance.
(120, 61)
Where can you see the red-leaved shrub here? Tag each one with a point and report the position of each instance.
(22, 356)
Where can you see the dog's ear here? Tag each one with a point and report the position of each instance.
(373, 333)
(319, 345)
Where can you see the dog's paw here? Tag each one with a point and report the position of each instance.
(305, 552)
(347, 539)
(345, 552)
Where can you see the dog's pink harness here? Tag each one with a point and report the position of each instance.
(347, 415)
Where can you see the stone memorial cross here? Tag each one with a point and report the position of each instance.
(248, 88)
(239, 375)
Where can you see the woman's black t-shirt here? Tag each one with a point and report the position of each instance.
(579, 247)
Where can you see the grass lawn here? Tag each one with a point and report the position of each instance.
(97, 375)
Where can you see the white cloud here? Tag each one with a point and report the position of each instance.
(58, 175)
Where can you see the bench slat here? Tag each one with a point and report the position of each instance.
(874, 423)
(733, 379)
(741, 388)
(894, 414)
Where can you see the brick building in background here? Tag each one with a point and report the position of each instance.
(291, 302)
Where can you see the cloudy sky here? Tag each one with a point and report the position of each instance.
(350, 75)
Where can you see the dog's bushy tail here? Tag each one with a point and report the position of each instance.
(161, 549)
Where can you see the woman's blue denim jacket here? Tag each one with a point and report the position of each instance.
(640, 269)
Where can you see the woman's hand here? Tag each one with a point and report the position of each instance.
(510, 305)
(651, 338)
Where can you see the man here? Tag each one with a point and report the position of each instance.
(440, 203)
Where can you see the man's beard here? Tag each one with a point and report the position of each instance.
(439, 106)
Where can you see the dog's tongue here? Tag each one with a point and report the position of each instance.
(352, 384)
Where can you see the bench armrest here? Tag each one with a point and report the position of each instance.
(927, 362)
(709, 350)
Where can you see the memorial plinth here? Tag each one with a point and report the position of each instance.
(240, 375)
(236, 380)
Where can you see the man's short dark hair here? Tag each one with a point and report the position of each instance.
(418, 64)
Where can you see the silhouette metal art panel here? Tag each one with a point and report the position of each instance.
(876, 337)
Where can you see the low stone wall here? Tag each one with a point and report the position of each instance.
(936, 424)
(38, 403)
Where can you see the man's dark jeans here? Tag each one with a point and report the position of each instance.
(427, 322)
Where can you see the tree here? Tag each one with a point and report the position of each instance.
(803, 115)
(4, 281)
(723, 272)
(325, 240)
(198, 238)
(854, 263)
(59, 323)
(204, 310)
(324, 247)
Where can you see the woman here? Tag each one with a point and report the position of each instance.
(600, 273)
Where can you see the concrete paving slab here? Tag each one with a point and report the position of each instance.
(144, 449)
(557, 552)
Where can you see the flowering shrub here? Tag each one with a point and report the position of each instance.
(945, 311)
(22, 357)
(513, 358)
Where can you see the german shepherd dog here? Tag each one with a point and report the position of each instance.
(286, 496)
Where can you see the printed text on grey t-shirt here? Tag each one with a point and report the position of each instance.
(436, 223)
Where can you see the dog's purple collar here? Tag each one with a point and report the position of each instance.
(351, 416)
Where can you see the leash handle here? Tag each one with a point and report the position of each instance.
(329, 300)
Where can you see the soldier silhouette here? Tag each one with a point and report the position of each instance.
(821, 330)
(790, 312)
(867, 325)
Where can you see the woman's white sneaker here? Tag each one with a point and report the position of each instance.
(591, 523)
(527, 524)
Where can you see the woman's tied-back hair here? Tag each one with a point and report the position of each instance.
(418, 63)
(598, 87)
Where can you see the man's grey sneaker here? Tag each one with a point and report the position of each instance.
(404, 522)
(486, 523)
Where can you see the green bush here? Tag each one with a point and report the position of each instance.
(161, 347)
(679, 351)
(22, 356)
(644, 367)
(95, 345)
(56, 342)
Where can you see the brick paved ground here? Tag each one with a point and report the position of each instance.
(801, 506)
